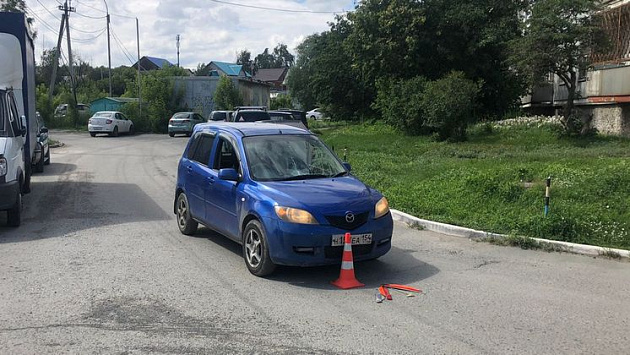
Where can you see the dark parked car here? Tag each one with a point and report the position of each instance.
(220, 116)
(249, 115)
(286, 118)
(281, 193)
(42, 149)
(301, 115)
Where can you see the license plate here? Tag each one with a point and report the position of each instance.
(357, 239)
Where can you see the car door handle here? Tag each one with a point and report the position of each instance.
(189, 168)
(211, 180)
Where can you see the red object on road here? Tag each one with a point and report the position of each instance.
(403, 287)
(346, 278)
(385, 292)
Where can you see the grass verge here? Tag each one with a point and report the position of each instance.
(495, 181)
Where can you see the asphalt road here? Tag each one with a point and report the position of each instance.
(99, 266)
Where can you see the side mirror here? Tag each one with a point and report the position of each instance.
(228, 174)
(24, 127)
(347, 166)
(43, 130)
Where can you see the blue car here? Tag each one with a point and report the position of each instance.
(279, 192)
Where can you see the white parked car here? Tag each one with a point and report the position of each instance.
(110, 122)
(315, 114)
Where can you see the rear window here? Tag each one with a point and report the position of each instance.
(218, 116)
(252, 116)
(103, 114)
(181, 115)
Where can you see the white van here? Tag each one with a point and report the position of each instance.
(12, 162)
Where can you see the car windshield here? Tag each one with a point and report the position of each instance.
(290, 157)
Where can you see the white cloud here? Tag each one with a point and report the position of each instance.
(209, 30)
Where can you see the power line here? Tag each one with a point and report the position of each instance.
(88, 32)
(51, 14)
(122, 48)
(92, 17)
(277, 9)
(86, 40)
(103, 11)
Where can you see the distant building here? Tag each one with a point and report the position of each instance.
(229, 69)
(110, 103)
(603, 92)
(152, 63)
(275, 77)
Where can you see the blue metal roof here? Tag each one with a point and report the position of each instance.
(161, 63)
(230, 69)
(245, 129)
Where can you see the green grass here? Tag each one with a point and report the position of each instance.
(495, 181)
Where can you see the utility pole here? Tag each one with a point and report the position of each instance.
(56, 58)
(109, 52)
(66, 10)
(177, 37)
(139, 90)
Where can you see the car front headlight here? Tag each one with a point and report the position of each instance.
(381, 208)
(295, 215)
(3, 166)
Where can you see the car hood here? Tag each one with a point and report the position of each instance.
(328, 195)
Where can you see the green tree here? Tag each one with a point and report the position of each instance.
(265, 60)
(16, 6)
(244, 58)
(557, 37)
(226, 96)
(282, 56)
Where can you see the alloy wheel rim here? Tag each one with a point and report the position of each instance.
(253, 248)
(182, 213)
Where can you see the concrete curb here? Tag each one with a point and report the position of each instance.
(475, 234)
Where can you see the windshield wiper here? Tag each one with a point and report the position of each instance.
(343, 173)
(305, 177)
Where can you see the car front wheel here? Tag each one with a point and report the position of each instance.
(186, 224)
(256, 250)
(14, 215)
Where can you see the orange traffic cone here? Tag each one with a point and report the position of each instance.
(346, 278)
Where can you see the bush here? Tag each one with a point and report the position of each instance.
(227, 95)
(399, 101)
(449, 104)
(281, 101)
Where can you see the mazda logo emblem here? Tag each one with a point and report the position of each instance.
(349, 217)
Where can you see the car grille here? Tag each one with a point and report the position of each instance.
(340, 221)
(335, 252)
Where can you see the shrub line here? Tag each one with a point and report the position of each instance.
(469, 233)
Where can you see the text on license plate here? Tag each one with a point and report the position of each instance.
(357, 239)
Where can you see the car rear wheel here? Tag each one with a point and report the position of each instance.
(186, 224)
(131, 130)
(171, 134)
(256, 250)
(39, 167)
(14, 215)
(115, 132)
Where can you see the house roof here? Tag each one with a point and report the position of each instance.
(160, 62)
(273, 74)
(230, 69)
(122, 100)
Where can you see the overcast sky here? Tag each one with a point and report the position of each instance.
(209, 30)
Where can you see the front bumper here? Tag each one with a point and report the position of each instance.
(310, 245)
(8, 194)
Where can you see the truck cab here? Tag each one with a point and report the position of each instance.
(12, 165)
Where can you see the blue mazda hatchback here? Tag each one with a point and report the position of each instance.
(279, 192)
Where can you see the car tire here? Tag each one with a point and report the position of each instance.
(256, 250)
(131, 130)
(14, 215)
(171, 134)
(47, 158)
(186, 224)
(92, 134)
(39, 167)
(114, 132)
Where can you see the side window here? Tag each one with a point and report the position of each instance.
(14, 116)
(117, 116)
(203, 149)
(226, 156)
